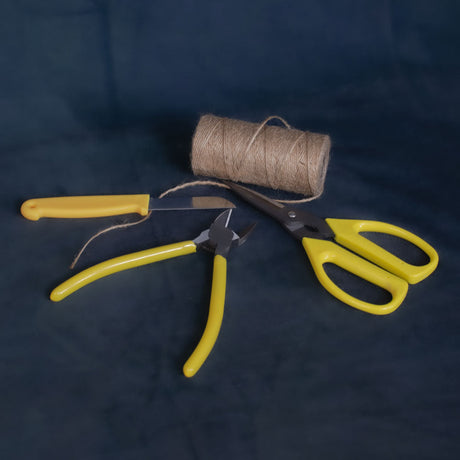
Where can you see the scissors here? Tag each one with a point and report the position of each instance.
(218, 238)
(318, 235)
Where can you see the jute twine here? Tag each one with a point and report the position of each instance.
(277, 157)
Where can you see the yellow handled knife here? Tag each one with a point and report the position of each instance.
(113, 205)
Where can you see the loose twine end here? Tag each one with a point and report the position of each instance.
(105, 230)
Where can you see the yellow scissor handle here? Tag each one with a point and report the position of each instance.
(323, 251)
(347, 234)
(118, 264)
(216, 313)
(85, 206)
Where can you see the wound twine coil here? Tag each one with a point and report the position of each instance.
(256, 153)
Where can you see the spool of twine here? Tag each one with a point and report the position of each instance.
(277, 157)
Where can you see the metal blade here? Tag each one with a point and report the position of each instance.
(220, 236)
(271, 207)
(244, 234)
(223, 219)
(228, 217)
(253, 197)
(183, 203)
(298, 222)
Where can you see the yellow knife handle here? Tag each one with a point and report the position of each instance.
(321, 252)
(216, 314)
(118, 264)
(85, 206)
(347, 234)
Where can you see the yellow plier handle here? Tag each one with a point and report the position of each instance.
(216, 314)
(148, 256)
(118, 264)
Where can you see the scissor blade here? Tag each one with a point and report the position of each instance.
(298, 222)
(271, 207)
(183, 203)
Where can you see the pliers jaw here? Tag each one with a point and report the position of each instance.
(219, 238)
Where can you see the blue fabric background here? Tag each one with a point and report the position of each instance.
(103, 97)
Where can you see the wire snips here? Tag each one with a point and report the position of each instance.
(218, 238)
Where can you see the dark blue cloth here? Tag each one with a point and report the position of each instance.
(101, 97)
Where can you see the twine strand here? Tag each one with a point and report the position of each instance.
(235, 152)
(192, 184)
(101, 232)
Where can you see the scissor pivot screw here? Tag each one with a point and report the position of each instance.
(292, 214)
